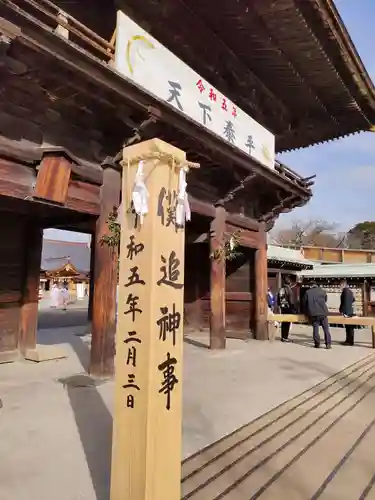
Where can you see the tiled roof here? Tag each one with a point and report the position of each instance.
(340, 271)
(56, 254)
(282, 254)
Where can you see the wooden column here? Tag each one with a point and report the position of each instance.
(365, 297)
(92, 280)
(105, 275)
(30, 293)
(217, 280)
(279, 280)
(279, 284)
(261, 285)
(147, 430)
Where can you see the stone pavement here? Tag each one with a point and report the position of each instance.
(55, 427)
(317, 445)
(76, 314)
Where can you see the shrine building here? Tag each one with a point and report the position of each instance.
(255, 79)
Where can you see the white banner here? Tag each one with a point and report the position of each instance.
(142, 59)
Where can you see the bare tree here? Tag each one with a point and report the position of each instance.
(318, 233)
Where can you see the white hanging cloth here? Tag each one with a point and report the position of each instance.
(183, 212)
(140, 194)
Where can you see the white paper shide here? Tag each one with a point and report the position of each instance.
(140, 194)
(182, 208)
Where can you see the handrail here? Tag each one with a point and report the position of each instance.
(335, 320)
(67, 24)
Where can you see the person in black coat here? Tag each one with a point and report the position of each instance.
(285, 302)
(347, 310)
(315, 308)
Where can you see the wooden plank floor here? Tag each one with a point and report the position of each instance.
(318, 445)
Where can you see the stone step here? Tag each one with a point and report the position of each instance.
(260, 456)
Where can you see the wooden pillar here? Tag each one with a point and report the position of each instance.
(103, 327)
(92, 280)
(217, 280)
(193, 277)
(147, 430)
(197, 314)
(279, 284)
(261, 307)
(365, 297)
(279, 281)
(30, 293)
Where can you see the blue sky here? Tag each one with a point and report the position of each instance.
(345, 169)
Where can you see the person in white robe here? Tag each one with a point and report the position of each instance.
(55, 295)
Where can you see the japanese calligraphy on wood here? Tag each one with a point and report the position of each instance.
(142, 59)
(146, 456)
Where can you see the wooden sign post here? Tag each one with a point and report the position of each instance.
(146, 453)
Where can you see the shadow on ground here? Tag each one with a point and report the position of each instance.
(221, 469)
(92, 417)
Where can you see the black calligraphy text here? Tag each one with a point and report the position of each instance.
(167, 214)
(229, 132)
(170, 271)
(132, 356)
(132, 337)
(205, 113)
(250, 144)
(134, 248)
(132, 302)
(168, 323)
(169, 381)
(134, 278)
(175, 94)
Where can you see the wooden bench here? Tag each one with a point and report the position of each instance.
(336, 320)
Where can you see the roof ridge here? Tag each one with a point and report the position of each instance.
(350, 46)
(66, 242)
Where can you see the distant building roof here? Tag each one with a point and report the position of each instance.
(287, 255)
(340, 271)
(56, 254)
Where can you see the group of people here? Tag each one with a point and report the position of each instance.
(59, 296)
(312, 303)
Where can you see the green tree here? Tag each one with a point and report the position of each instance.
(362, 235)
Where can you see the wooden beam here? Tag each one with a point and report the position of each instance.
(217, 281)
(32, 153)
(84, 170)
(261, 286)
(202, 207)
(105, 276)
(83, 197)
(18, 180)
(229, 196)
(243, 222)
(86, 65)
(209, 210)
(30, 293)
(80, 224)
(248, 239)
(53, 177)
